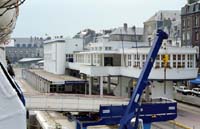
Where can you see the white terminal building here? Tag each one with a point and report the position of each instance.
(120, 56)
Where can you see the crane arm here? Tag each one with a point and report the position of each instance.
(133, 108)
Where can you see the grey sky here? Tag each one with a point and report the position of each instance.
(67, 17)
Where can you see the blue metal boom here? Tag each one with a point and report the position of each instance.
(133, 108)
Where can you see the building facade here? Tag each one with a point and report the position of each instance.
(167, 20)
(190, 27)
(25, 48)
(86, 35)
(190, 16)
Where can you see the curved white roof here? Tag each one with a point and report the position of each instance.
(29, 59)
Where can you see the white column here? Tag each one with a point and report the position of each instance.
(102, 59)
(101, 86)
(90, 85)
(171, 60)
(194, 61)
(108, 82)
(186, 61)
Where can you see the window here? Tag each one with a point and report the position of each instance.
(18, 45)
(194, 8)
(108, 48)
(143, 64)
(29, 45)
(52, 88)
(196, 21)
(188, 35)
(183, 23)
(143, 57)
(188, 22)
(183, 64)
(129, 57)
(162, 64)
(179, 64)
(129, 63)
(61, 89)
(174, 64)
(183, 35)
(23, 45)
(183, 57)
(157, 65)
(179, 57)
(174, 57)
(129, 60)
(199, 6)
(196, 36)
(100, 48)
(158, 57)
(188, 8)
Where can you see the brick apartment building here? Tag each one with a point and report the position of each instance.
(190, 25)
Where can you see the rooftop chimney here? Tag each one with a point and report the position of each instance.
(125, 26)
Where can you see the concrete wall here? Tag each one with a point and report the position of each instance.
(123, 87)
(158, 89)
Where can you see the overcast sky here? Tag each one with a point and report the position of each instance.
(67, 17)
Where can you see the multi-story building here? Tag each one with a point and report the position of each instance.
(190, 27)
(25, 48)
(86, 35)
(169, 21)
(190, 16)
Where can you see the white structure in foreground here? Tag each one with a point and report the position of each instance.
(13, 112)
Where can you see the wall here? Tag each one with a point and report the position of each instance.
(54, 57)
(74, 45)
(123, 86)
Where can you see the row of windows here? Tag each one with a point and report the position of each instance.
(186, 23)
(86, 58)
(134, 60)
(29, 45)
(101, 48)
(130, 38)
(175, 61)
(192, 8)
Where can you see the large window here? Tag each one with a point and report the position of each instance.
(188, 22)
(188, 35)
(196, 21)
(183, 23)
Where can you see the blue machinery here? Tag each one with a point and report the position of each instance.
(154, 111)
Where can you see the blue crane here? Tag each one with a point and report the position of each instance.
(133, 108)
